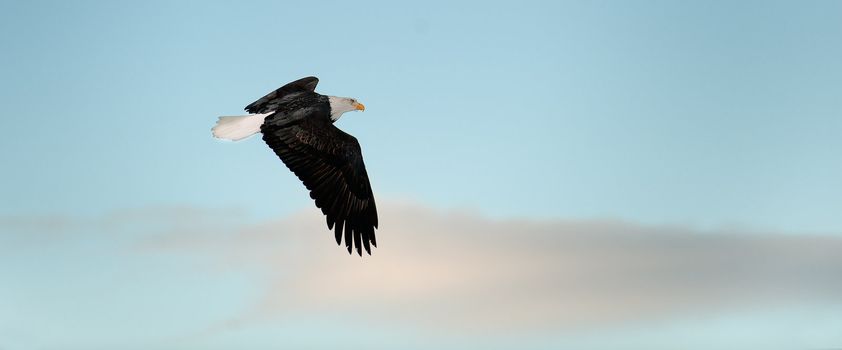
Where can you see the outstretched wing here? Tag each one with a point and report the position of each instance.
(330, 164)
(271, 101)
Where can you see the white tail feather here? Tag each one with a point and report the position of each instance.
(239, 127)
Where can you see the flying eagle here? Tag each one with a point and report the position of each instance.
(297, 123)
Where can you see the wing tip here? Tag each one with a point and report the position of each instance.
(354, 239)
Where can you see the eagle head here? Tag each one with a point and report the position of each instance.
(340, 105)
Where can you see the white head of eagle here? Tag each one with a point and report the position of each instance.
(340, 105)
(297, 124)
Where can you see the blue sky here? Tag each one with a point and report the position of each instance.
(714, 116)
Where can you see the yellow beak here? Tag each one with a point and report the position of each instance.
(360, 106)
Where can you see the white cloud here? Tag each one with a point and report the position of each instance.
(464, 272)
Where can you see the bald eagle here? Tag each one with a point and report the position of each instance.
(297, 123)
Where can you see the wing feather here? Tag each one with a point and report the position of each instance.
(329, 162)
(272, 100)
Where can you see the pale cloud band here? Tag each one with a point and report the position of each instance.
(464, 272)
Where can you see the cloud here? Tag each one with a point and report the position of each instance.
(465, 272)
